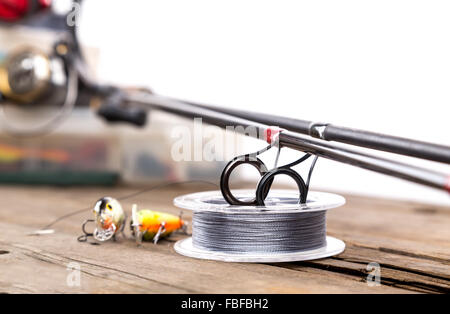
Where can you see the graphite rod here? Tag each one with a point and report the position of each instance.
(296, 141)
(330, 132)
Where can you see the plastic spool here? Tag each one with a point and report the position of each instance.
(278, 201)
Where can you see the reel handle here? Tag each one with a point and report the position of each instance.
(113, 111)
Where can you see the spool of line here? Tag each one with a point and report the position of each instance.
(281, 231)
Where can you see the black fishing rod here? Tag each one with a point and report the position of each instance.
(330, 132)
(132, 106)
(294, 140)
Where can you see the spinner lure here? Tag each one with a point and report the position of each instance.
(109, 219)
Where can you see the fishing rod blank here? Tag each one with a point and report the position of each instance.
(295, 140)
(330, 132)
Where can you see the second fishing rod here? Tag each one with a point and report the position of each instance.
(294, 140)
(361, 138)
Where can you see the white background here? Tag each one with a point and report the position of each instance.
(377, 65)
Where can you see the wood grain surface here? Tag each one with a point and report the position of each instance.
(409, 241)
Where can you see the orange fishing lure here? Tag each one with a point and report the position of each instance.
(152, 225)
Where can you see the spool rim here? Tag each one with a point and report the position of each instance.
(209, 201)
(333, 247)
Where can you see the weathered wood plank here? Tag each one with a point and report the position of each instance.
(409, 241)
(152, 265)
(414, 228)
(355, 259)
(28, 270)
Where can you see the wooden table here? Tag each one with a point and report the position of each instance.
(410, 241)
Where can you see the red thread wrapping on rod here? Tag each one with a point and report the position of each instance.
(272, 133)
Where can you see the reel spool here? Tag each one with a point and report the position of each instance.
(281, 231)
(37, 92)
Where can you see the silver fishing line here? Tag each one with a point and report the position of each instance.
(259, 233)
(282, 230)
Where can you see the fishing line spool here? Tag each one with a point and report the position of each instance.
(283, 230)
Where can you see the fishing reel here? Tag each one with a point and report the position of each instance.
(39, 90)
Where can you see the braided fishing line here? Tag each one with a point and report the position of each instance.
(265, 232)
(280, 231)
